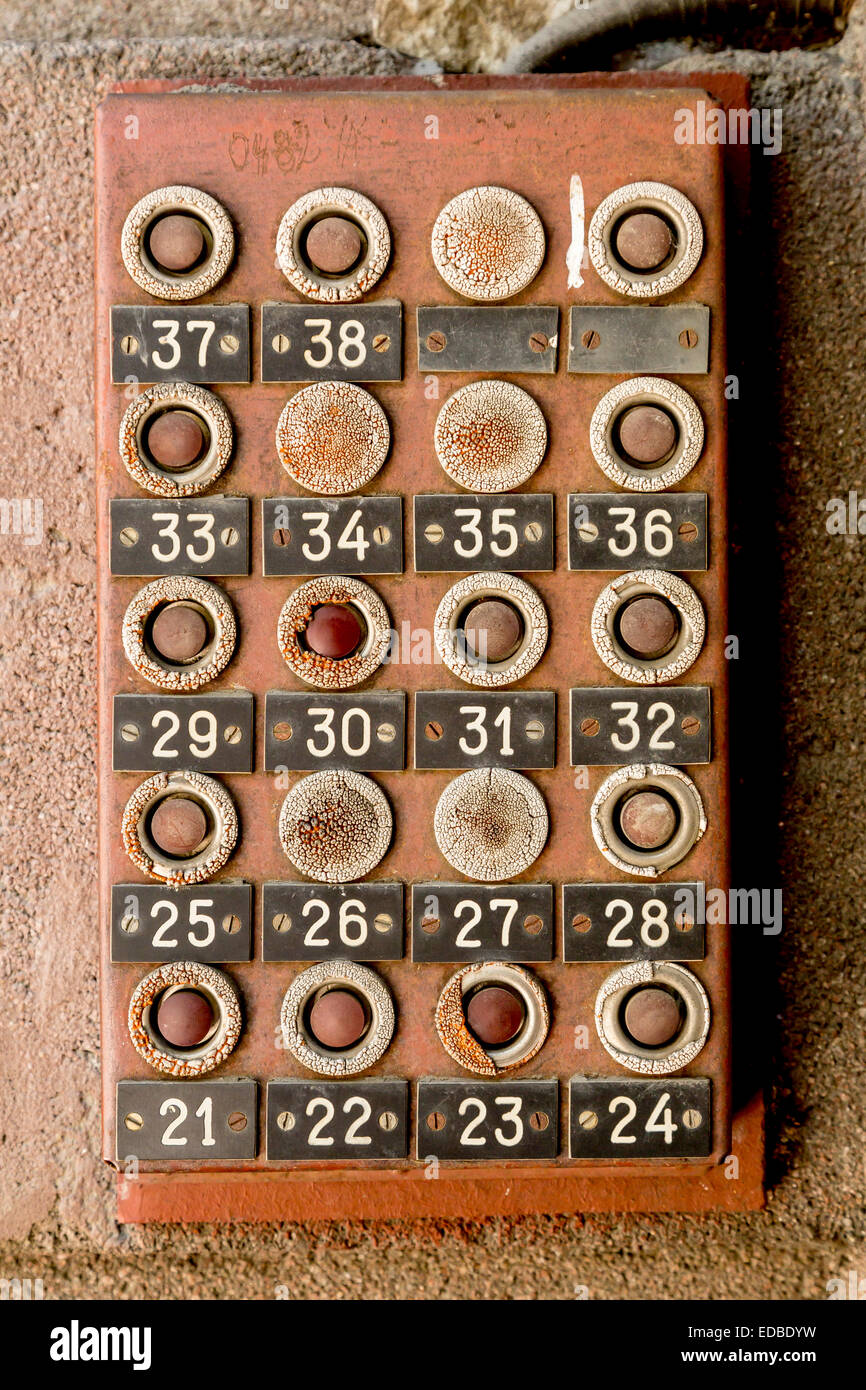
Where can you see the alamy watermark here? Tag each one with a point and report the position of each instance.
(713, 125)
(22, 516)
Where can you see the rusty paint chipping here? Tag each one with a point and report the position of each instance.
(196, 975)
(333, 437)
(326, 672)
(488, 243)
(335, 826)
(491, 823)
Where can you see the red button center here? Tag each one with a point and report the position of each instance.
(495, 1015)
(184, 1017)
(334, 630)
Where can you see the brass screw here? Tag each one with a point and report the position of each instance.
(436, 1120)
(538, 342)
(129, 345)
(591, 339)
(128, 536)
(129, 733)
(232, 734)
(690, 725)
(280, 343)
(588, 531)
(590, 727)
(692, 1119)
(535, 730)
(229, 536)
(383, 921)
(434, 533)
(538, 1120)
(433, 730)
(386, 733)
(430, 925)
(587, 1119)
(683, 923)
(687, 531)
(381, 342)
(688, 338)
(286, 1119)
(283, 731)
(533, 924)
(387, 1120)
(133, 1120)
(436, 342)
(229, 344)
(129, 925)
(231, 923)
(534, 531)
(382, 535)
(282, 536)
(581, 922)
(281, 922)
(237, 1121)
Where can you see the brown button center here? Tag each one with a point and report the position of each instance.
(652, 1017)
(175, 439)
(334, 630)
(334, 244)
(338, 1018)
(648, 627)
(176, 242)
(178, 826)
(494, 630)
(495, 1015)
(178, 632)
(647, 434)
(648, 820)
(184, 1017)
(643, 241)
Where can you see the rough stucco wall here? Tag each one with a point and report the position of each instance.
(55, 1200)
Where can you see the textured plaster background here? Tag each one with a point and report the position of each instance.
(56, 1208)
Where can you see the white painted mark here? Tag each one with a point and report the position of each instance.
(574, 254)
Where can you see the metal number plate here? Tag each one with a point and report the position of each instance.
(207, 343)
(318, 342)
(186, 1119)
(638, 338)
(211, 733)
(338, 1119)
(620, 724)
(489, 338)
(470, 1120)
(209, 922)
(466, 922)
(488, 729)
(332, 921)
(323, 535)
(617, 530)
(365, 731)
(616, 1118)
(632, 921)
(193, 536)
(477, 531)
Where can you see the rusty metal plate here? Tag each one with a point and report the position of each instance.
(631, 921)
(469, 531)
(531, 136)
(615, 724)
(327, 921)
(178, 342)
(627, 530)
(470, 922)
(337, 1119)
(150, 922)
(612, 1116)
(213, 1121)
(208, 536)
(332, 342)
(212, 733)
(326, 535)
(488, 338)
(638, 339)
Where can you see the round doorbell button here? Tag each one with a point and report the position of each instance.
(179, 632)
(492, 1017)
(491, 823)
(177, 242)
(488, 243)
(333, 245)
(648, 626)
(334, 632)
(645, 239)
(490, 436)
(175, 439)
(646, 434)
(652, 1018)
(335, 826)
(333, 437)
(647, 817)
(179, 827)
(337, 1018)
(185, 1018)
